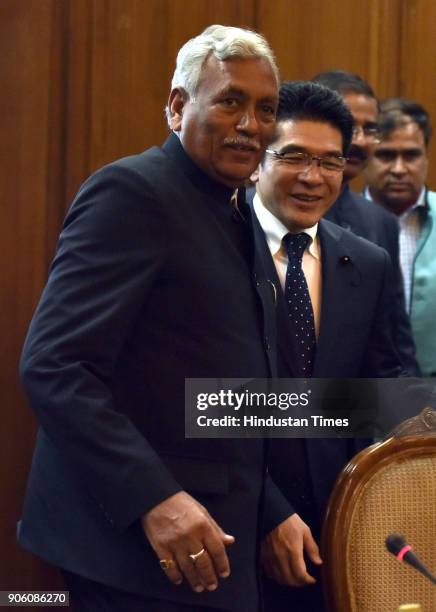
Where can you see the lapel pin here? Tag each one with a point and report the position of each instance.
(345, 259)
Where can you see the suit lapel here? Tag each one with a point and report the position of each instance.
(285, 339)
(264, 253)
(266, 286)
(339, 275)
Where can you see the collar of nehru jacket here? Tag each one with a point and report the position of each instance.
(207, 185)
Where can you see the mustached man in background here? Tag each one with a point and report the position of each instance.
(351, 209)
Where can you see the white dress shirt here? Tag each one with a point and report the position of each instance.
(275, 231)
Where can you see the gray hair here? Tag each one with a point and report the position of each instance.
(224, 42)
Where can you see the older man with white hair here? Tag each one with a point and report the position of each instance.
(156, 280)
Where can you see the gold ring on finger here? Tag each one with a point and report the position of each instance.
(166, 564)
(195, 556)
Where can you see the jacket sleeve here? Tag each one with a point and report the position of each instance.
(277, 507)
(382, 358)
(110, 253)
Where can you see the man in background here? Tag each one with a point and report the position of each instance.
(155, 280)
(396, 177)
(334, 301)
(351, 210)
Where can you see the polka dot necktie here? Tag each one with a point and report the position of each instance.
(298, 302)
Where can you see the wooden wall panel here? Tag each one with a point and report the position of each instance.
(121, 59)
(418, 62)
(311, 36)
(31, 168)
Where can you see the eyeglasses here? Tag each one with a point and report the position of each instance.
(300, 161)
(370, 131)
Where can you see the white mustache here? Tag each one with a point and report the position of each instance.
(242, 142)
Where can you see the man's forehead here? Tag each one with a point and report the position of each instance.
(361, 104)
(308, 133)
(237, 71)
(404, 137)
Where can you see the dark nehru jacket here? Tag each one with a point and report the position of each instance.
(354, 212)
(155, 280)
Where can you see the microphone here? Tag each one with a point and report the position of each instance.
(397, 545)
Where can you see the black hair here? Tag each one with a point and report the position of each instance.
(344, 82)
(301, 100)
(397, 112)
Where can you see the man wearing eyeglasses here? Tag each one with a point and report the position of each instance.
(396, 179)
(351, 209)
(333, 306)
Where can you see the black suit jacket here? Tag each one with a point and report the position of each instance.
(155, 280)
(353, 212)
(354, 341)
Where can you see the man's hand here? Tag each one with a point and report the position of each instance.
(282, 552)
(180, 526)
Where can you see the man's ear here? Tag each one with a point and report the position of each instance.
(255, 176)
(176, 104)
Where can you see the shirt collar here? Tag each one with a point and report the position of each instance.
(366, 194)
(275, 231)
(420, 202)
